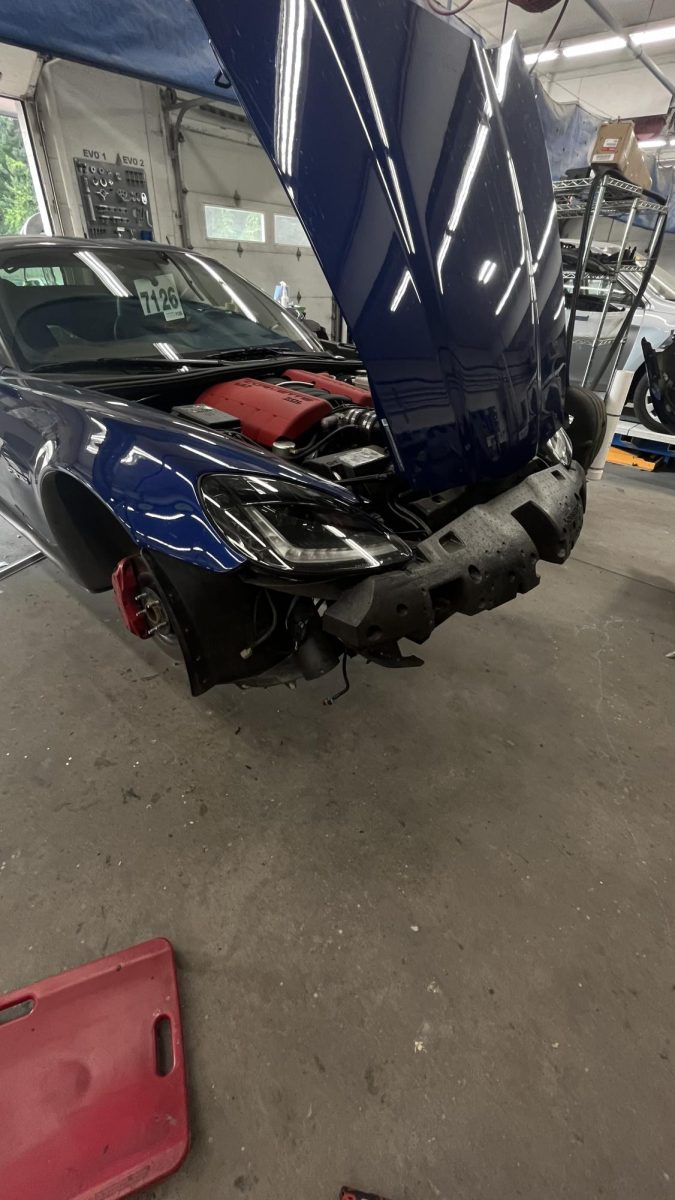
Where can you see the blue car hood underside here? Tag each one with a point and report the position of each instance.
(418, 168)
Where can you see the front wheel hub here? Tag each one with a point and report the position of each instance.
(141, 608)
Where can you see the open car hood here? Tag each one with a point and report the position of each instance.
(418, 168)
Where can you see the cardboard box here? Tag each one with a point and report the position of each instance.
(617, 146)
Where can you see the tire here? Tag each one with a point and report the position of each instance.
(587, 417)
(643, 408)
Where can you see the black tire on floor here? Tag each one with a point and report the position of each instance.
(588, 422)
(640, 399)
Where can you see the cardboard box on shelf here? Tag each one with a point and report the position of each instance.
(617, 146)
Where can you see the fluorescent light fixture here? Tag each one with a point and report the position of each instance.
(108, 278)
(547, 231)
(487, 271)
(542, 56)
(600, 46)
(206, 265)
(645, 37)
(372, 95)
(407, 232)
(290, 49)
(167, 350)
(507, 293)
(503, 64)
(401, 290)
(653, 144)
(468, 174)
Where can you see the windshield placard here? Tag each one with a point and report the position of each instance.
(159, 297)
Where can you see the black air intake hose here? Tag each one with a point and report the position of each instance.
(353, 417)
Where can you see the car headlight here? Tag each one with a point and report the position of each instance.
(289, 527)
(560, 447)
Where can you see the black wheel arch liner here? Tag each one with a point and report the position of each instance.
(87, 536)
(213, 615)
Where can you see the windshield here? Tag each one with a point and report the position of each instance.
(60, 305)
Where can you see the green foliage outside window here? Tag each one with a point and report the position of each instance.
(17, 197)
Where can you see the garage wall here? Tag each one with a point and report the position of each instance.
(83, 111)
(226, 166)
(88, 112)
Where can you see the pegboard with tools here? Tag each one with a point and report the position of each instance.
(114, 198)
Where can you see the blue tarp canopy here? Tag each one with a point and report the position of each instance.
(165, 42)
(570, 132)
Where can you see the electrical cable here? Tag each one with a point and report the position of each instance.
(552, 34)
(442, 11)
(604, 116)
(268, 632)
(343, 691)
(327, 437)
(506, 13)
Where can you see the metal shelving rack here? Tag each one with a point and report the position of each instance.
(608, 195)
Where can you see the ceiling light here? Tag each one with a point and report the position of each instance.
(652, 144)
(601, 46)
(643, 37)
(542, 56)
(487, 271)
(665, 34)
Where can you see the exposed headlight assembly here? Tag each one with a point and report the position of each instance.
(286, 526)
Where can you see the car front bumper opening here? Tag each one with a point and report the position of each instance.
(478, 561)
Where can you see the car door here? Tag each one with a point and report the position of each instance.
(27, 419)
(592, 299)
(27, 430)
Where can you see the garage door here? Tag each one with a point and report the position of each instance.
(239, 214)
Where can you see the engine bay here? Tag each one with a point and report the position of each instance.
(318, 416)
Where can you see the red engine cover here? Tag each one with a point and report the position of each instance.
(267, 411)
(336, 387)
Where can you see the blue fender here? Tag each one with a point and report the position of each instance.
(144, 465)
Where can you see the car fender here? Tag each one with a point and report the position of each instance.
(144, 465)
(657, 329)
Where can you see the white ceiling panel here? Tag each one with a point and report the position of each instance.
(16, 70)
(579, 21)
(611, 84)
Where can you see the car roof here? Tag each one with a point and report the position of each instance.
(18, 241)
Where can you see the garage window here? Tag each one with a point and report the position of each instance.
(22, 205)
(233, 224)
(288, 231)
(33, 276)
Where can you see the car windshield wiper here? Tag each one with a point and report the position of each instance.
(124, 364)
(162, 364)
(258, 352)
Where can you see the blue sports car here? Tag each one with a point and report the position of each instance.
(266, 504)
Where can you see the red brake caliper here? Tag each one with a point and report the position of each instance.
(129, 599)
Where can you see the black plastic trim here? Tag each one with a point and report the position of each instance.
(480, 560)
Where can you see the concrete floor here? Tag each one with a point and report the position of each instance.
(425, 937)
